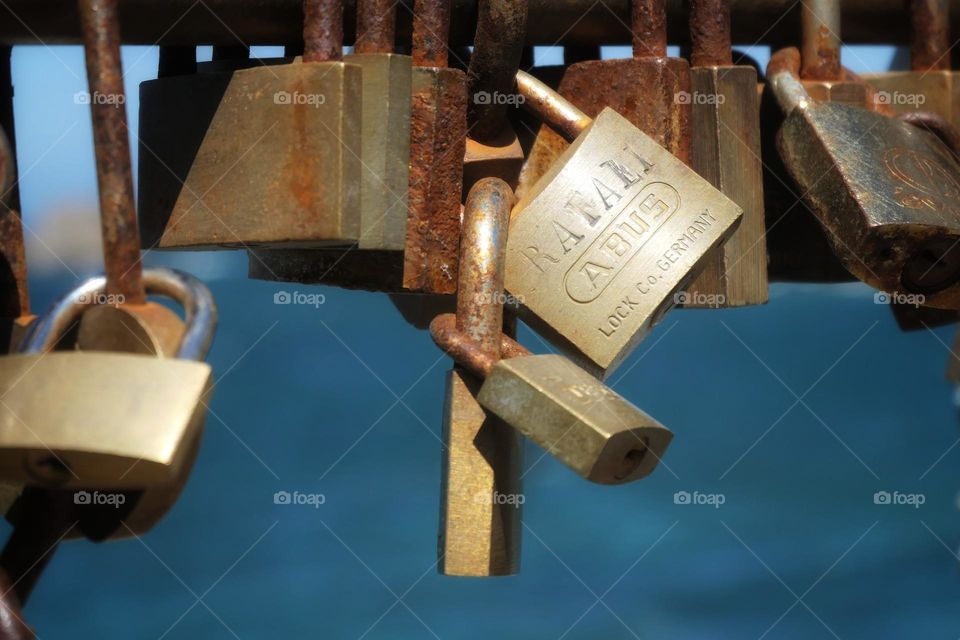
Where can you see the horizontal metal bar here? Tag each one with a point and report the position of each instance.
(261, 22)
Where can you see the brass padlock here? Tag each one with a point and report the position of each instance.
(267, 155)
(725, 127)
(886, 193)
(617, 226)
(575, 417)
(120, 421)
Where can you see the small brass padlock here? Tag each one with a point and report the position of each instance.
(603, 241)
(886, 193)
(119, 421)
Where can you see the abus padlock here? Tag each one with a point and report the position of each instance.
(885, 192)
(109, 420)
(601, 243)
(261, 156)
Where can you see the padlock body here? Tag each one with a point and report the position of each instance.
(485, 456)
(104, 420)
(905, 91)
(385, 149)
(438, 131)
(600, 245)
(848, 92)
(264, 156)
(726, 151)
(885, 192)
(576, 418)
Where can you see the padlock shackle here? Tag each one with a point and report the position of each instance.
(188, 291)
(710, 43)
(930, 35)
(322, 30)
(376, 26)
(648, 27)
(782, 75)
(821, 40)
(548, 105)
(431, 32)
(468, 353)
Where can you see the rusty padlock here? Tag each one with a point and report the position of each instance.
(262, 156)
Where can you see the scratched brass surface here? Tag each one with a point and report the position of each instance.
(885, 192)
(119, 420)
(481, 510)
(385, 149)
(602, 242)
(726, 151)
(576, 418)
(268, 155)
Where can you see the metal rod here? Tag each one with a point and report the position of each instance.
(710, 33)
(930, 24)
(118, 217)
(551, 107)
(322, 30)
(468, 353)
(820, 53)
(376, 26)
(431, 29)
(648, 20)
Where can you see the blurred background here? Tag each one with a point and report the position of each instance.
(762, 522)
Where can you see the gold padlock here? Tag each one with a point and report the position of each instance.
(267, 155)
(120, 421)
(617, 226)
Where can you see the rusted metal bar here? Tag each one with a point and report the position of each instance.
(118, 217)
(930, 46)
(431, 25)
(376, 27)
(501, 28)
(821, 40)
(322, 30)
(648, 20)
(552, 22)
(710, 33)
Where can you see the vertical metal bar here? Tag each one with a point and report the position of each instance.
(376, 26)
(118, 217)
(820, 52)
(710, 33)
(322, 30)
(649, 28)
(431, 28)
(930, 28)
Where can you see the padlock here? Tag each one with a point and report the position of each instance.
(617, 226)
(492, 146)
(929, 85)
(120, 421)
(572, 415)
(886, 193)
(438, 132)
(385, 127)
(261, 156)
(725, 127)
(481, 493)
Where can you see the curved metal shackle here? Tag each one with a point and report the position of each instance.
(188, 291)
(548, 105)
(783, 74)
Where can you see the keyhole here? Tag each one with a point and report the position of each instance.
(934, 267)
(631, 462)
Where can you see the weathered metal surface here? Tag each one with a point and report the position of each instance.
(820, 52)
(930, 39)
(118, 217)
(376, 26)
(725, 134)
(258, 156)
(322, 30)
(886, 193)
(603, 242)
(479, 533)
